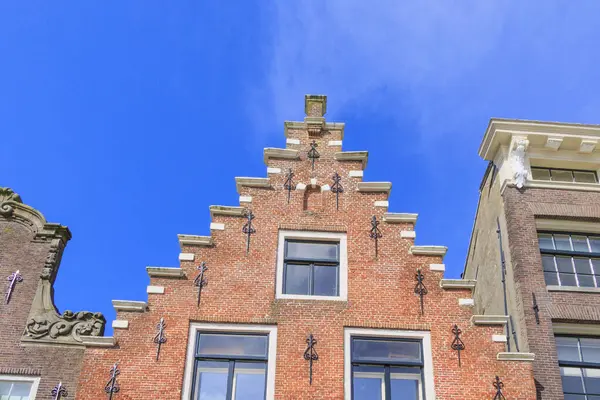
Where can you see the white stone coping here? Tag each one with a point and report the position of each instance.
(329, 126)
(292, 141)
(187, 256)
(165, 272)
(356, 174)
(429, 250)
(489, 319)
(288, 154)
(408, 234)
(333, 143)
(514, 356)
(217, 226)
(120, 324)
(194, 240)
(499, 338)
(438, 267)
(241, 181)
(245, 199)
(98, 341)
(556, 288)
(235, 211)
(129, 305)
(381, 203)
(353, 156)
(374, 187)
(457, 283)
(466, 302)
(273, 170)
(400, 218)
(155, 289)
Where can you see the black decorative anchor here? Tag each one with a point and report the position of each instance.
(59, 392)
(375, 232)
(160, 337)
(420, 288)
(536, 309)
(289, 184)
(498, 385)
(310, 355)
(457, 343)
(12, 279)
(112, 386)
(313, 154)
(337, 188)
(248, 229)
(200, 281)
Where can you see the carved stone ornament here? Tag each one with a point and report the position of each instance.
(518, 161)
(8, 196)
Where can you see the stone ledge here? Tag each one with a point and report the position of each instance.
(98, 341)
(288, 154)
(374, 187)
(193, 240)
(429, 250)
(556, 288)
(489, 319)
(235, 211)
(241, 181)
(353, 156)
(400, 218)
(165, 272)
(513, 356)
(129, 305)
(456, 283)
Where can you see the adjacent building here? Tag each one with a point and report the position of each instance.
(41, 350)
(311, 288)
(535, 249)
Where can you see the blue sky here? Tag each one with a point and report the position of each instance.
(126, 120)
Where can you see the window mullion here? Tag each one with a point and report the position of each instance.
(230, 380)
(388, 383)
(311, 277)
(574, 271)
(556, 269)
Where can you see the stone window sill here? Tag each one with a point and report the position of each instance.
(555, 288)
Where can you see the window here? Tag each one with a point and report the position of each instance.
(388, 365)
(563, 175)
(312, 265)
(570, 259)
(230, 362)
(579, 360)
(18, 387)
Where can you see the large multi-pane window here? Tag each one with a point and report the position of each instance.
(579, 360)
(17, 388)
(230, 366)
(311, 268)
(563, 175)
(570, 259)
(387, 369)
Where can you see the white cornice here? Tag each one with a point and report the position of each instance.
(489, 319)
(98, 341)
(457, 283)
(374, 187)
(329, 126)
(353, 156)
(193, 240)
(165, 272)
(288, 154)
(129, 305)
(251, 182)
(235, 211)
(429, 250)
(400, 218)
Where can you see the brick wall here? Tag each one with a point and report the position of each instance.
(241, 289)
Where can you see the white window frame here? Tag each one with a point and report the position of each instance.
(424, 336)
(339, 237)
(34, 380)
(196, 327)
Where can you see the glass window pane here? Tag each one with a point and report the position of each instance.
(312, 250)
(567, 348)
(386, 350)
(585, 176)
(590, 349)
(20, 391)
(545, 240)
(249, 381)
(561, 176)
(595, 244)
(215, 344)
(540, 174)
(562, 242)
(211, 380)
(591, 380)
(5, 388)
(368, 383)
(575, 397)
(404, 383)
(582, 265)
(325, 281)
(572, 380)
(564, 264)
(580, 243)
(586, 280)
(567, 280)
(551, 278)
(548, 263)
(297, 279)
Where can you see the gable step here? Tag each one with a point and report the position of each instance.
(457, 283)
(193, 240)
(241, 181)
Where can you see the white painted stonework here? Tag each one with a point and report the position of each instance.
(499, 338)
(325, 188)
(553, 142)
(186, 256)
(466, 302)
(313, 182)
(301, 186)
(381, 203)
(334, 143)
(120, 324)
(216, 226)
(587, 146)
(437, 267)
(272, 170)
(245, 199)
(356, 174)
(292, 141)
(155, 290)
(408, 234)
